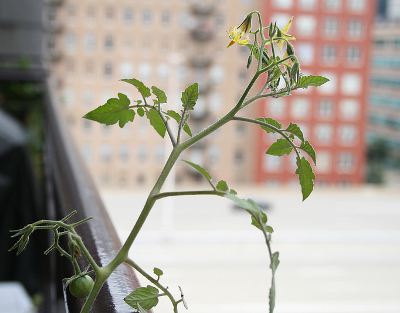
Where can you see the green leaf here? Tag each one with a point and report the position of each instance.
(259, 220)
(295, 130)
(190, 96)
(306, 177)
(160, 94)
(222, 186)
(145, 297)
(176, 116)
(199, 169)
(157, 271)
(156, 121)
(269, 121)
(142, 88)
(140, 308)
(140, 111)
(308, 148)
(115, 110)
(272, 296)
(307, 81)
(275, 261)
(280, 147)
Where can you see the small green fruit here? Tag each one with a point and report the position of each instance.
(81, 286)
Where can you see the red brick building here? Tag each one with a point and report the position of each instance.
(333, 40)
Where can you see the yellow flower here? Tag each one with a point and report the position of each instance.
(239, 34)
(284, 33)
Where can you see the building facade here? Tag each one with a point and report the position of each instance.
(333, 40)
(169, 44)
(384, 100)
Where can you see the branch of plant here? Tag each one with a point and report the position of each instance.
(154, 281)
(275, 129)
(188, 193)
(181, 123)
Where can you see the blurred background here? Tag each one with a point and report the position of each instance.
(340, 249)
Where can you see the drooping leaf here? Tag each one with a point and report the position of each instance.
(308, 148)
(275, 261)
(306, 177)
(157, 271)
(199, 169)
(269, 121)
(295, 130)
(177, 117)
(307, 81)
(115, 110)
(222, 186)
(190, 96)
(160, 94)
(146, 297)
(141, 87)
(156, 121)
(280, 147)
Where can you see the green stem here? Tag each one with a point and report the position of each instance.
(100, 279)
(155, 282)
(188, 193)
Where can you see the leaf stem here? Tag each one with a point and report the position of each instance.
(188, 193)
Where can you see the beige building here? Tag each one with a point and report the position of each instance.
(169, 44)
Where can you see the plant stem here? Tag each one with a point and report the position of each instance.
(155, 282)
(188, 193)
(99, 281)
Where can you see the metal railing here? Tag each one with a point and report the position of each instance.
(69, 186)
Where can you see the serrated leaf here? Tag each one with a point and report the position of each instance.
(141, 87)
(115, 110)
(275, 261)
(306, 177)
(199, 169)
(280, 147)
(156, 121)
(222, 186)
(146, 297)
(157, 271)
(311, 80)
(177, 117)
(140, 111)
(269, 121)
(259, 220)
(295, 130)
(160, 94)
(308, 148)
(190, 96)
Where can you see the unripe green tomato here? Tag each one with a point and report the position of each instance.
(81, 286)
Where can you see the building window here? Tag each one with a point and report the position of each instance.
(351, 84)
(162, 70)
(128, 15)
(305, 53)
(325, 108)
(213, 154)
(329, 54)
(86, 152)
(300, 108)
(355, 28)
(68, 97)
(160, 153)
(109, 42)
(283, 4)
(324, 163)
(276, 107)
(142, 153)
(331, 27)
(216, 102)
(306, 25)
(70, 42)
(87, 126)
(346, 162)
(308, 4)
(356, 5)
(217, 74)
(90, 42)
(108, 70)
(126, 69)
(91, 12)
(109, 12)
(88, 98)
(353, 55)
(105, 152)
(239, 156)
(349, 109)
(347, 134)
(333, 5)
(144, 71)
(272, 163)
(324, 133)
(147, 16)
(89, 68)
(124, 153)
(165, 17)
